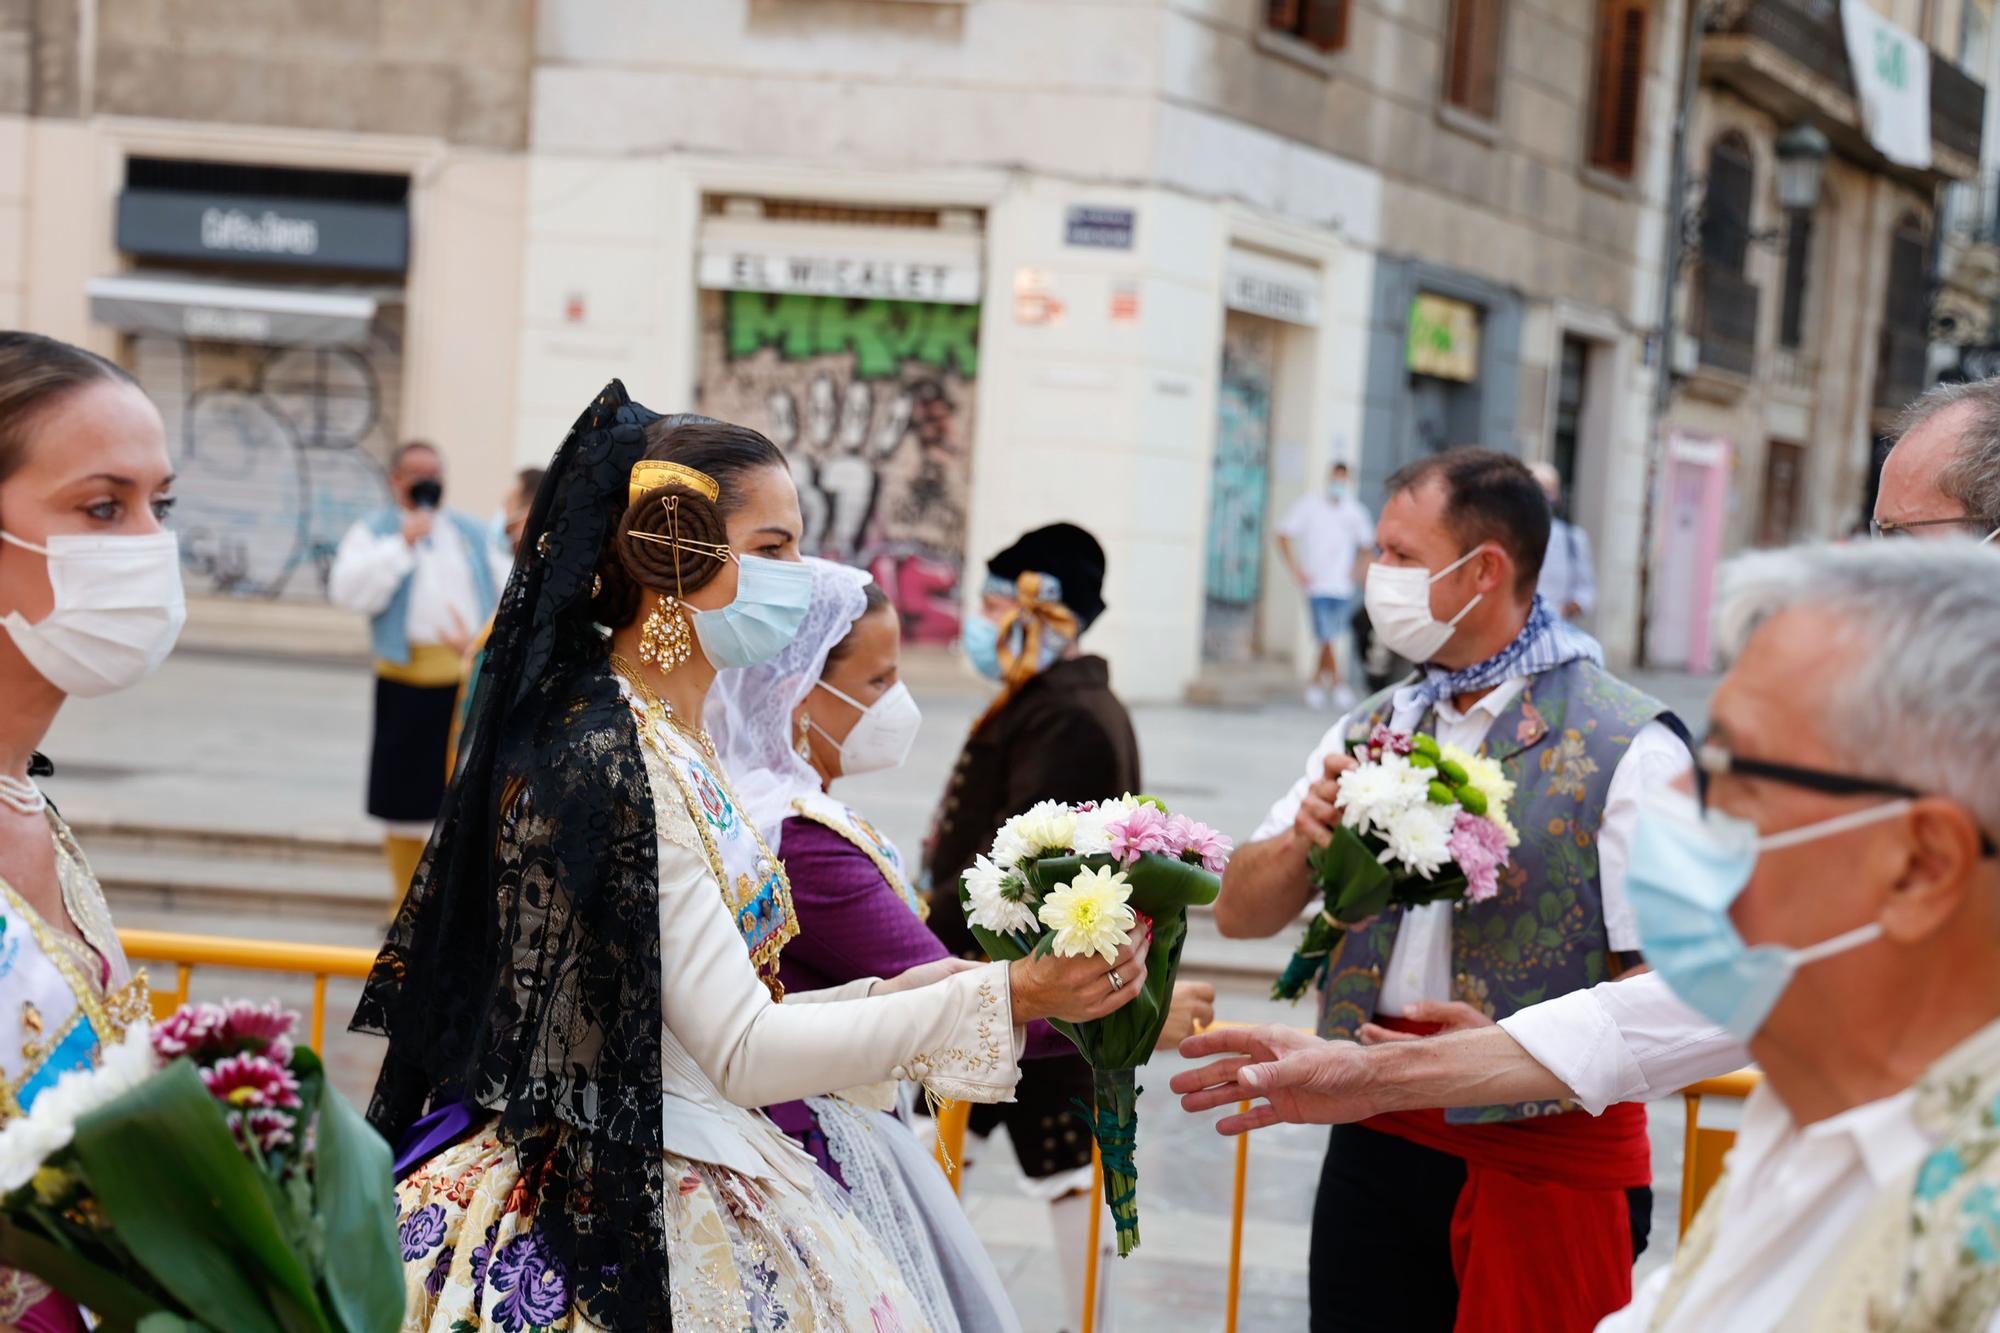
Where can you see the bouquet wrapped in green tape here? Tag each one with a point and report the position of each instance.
(205, 1175)
(1077, 880)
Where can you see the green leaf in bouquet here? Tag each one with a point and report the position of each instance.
(353, 1179)
(192, 1210)
(1357, 886)
(120, 1306)
(168, 1323)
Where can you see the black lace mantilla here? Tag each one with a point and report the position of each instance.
(522, 974)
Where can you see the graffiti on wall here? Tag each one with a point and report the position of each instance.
(1239, 492)
(872, 403)
(278, 450)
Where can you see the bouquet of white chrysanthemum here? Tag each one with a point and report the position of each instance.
(1078, 880)
(1420, 823)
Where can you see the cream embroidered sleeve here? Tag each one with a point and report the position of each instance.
(957, 1037)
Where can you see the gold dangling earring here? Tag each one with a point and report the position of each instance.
(805, 748)
(664, 640)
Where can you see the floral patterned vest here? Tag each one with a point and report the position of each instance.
(1543, 935)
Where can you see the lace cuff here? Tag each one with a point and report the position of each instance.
(981, 1060)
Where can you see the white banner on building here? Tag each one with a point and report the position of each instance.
(1892, 81)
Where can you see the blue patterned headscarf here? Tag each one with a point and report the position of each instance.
(1544, 643)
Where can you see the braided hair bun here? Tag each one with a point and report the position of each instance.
(640, 560)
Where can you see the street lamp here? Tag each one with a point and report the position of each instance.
(1802, 154)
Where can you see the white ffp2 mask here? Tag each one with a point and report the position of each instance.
(119, 608)
(1398, 598)
(882, 736)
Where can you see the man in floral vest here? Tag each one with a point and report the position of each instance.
(1526, 1215)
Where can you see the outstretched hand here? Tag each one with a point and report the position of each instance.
(1301, 1079)
(1449, 1015)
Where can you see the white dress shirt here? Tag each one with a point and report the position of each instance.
(1624, 1041)
(444, 600)
(1420, 965)
(1793, 1195)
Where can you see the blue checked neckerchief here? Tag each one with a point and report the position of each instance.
(1544, 643)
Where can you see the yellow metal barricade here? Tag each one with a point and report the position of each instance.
(1704, 1149)
(187, 952)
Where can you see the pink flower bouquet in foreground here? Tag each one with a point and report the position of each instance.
(1420, 822)
(205, 1175)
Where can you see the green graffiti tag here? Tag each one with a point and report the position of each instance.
(883, 335)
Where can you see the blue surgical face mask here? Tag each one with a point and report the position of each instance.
(1686, 868)
(980, 638)
(771, 601)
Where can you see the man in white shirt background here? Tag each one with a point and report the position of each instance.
(1460, 544)
(424, 577)
(1834, 901)
(1324, 538)
(1568, 582)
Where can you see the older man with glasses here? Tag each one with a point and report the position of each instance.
(1825, 898)
(1943, 476)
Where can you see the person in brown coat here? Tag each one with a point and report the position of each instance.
(1055, 732)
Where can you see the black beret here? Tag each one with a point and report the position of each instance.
(1065, 552)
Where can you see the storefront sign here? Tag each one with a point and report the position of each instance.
(948, 281)
(180, 224)
(1100, 228)
(1274, 288)
(1892, 81)
(1444, 338)
(232, 313)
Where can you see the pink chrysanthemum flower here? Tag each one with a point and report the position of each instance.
(1479, 846)
(266, 1128)
(190, 1030)
(1144, 830)
(1384, 741)
(266, 1028)
(246, 1081)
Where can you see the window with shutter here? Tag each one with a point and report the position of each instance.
(1472, 64)
(1323, 23)
(1620, 85)
(1725, 205)
(1798, 260)
(1902, 362)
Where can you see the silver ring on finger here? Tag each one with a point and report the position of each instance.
(1117, 982)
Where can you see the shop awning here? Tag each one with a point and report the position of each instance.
(229, 312)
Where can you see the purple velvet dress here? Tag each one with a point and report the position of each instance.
(851, 924)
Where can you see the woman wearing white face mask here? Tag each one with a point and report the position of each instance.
(831, 705)
(90, 599)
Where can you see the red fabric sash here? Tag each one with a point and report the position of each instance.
(1541, 1239)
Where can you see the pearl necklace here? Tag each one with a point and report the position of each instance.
(22, 795)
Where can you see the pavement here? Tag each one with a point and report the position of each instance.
(224, 795)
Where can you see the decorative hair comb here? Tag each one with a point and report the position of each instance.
(651, 473)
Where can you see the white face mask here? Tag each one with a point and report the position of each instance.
(881, 737)
(1399, 608)
(1987, 540)
(118, 609)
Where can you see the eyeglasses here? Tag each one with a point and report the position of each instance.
(1711, 759)
(1879, 528)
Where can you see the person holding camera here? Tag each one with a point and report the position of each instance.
(424, 577)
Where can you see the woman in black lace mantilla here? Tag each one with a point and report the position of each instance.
(572, 993)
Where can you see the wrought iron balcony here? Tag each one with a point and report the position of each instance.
(1724, 320)
(1789, 55)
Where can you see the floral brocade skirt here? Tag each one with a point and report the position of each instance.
(745, 1254)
